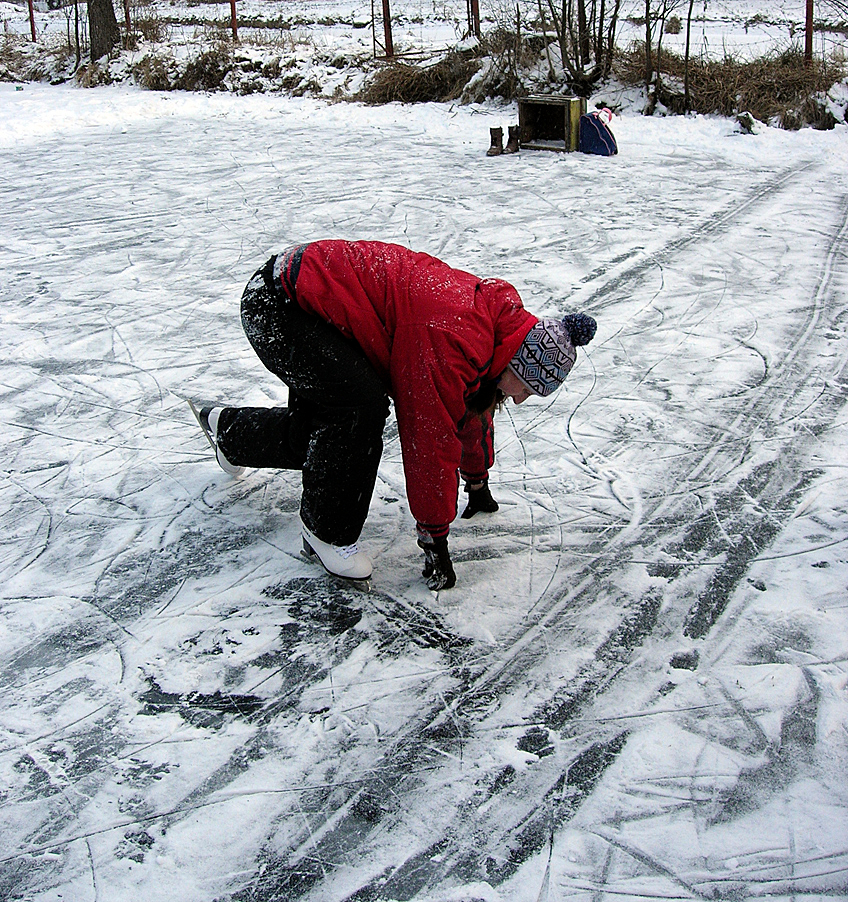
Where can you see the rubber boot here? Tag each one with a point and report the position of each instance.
(512, 143)
(497, 147)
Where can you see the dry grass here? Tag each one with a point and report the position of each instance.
(407, 83)
(152, 72)
(780, 88)
(206, 72)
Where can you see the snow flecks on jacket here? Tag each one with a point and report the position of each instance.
(432, 334)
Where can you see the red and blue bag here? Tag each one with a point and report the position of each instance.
(595, 134)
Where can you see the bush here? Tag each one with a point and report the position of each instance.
(152, 73)
(407, 83)
(779, 88)
(673, 25)
(93, 75)
(151, 29)
(207, 72)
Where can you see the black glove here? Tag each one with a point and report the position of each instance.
(438, 569)
(479, 499)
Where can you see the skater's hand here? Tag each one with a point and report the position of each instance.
(438, 569)
(480, 499)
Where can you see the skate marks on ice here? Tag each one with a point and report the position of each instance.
(330, 603)
(553, 744)
(198, 697)
(180, 641)
(247, 656)
(627, 272)
(690, 550)
(745, 497)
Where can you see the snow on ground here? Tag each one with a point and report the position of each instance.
(638, 688)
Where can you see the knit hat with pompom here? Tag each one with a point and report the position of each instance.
(548, 352)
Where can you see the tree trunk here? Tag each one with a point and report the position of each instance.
(387, 30)
(102, 27)
(551, 74)
(77, 34)
(686, 99)
(808, 34)
(660, 31)
(31, 20)
(584, 48)
(598, 32)
(649, 62)
(610, 39)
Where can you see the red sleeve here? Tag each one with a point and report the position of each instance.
(429, 373)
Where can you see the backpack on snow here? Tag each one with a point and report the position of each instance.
(596, 136)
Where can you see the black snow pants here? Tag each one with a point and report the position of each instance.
(332, 429)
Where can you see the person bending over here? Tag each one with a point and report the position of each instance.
(346, 325)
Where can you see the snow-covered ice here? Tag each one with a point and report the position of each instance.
(637, 689)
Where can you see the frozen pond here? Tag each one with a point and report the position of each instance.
(637, 689)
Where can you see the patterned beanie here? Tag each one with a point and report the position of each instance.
(548, 352)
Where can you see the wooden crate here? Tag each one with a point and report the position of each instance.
(549, 122)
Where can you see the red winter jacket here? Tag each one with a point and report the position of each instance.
(432, 334)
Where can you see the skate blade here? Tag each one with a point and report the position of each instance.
(196, 413)
(222, 461)
(363, 585)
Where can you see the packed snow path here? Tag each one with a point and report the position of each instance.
(638, 688)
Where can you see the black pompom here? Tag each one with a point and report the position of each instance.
(581, 327)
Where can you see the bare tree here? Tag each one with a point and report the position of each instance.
(667, 7)
(585, 31)
(75, 41)
(102, 27)
(656, 17)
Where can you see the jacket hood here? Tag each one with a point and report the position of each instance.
(511, 322)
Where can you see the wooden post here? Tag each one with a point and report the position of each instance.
(32, 20)
(686, 57)
(475, 18)
(387, 29)
(808, 35)
(233, 20)
(576, 107)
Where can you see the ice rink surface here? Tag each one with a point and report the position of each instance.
(637, 689)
